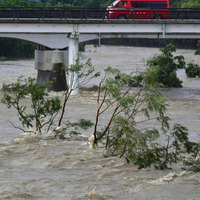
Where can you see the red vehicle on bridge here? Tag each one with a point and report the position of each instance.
(138, 9)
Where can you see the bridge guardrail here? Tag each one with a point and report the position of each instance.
(83, 14)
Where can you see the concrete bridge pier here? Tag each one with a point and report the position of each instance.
(51, 66)
(73, 56)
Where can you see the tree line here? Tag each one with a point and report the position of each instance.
(47, 3)
(88, 3)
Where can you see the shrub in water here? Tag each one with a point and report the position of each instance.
(166, 65)
(126, 133)
(192, 70)
(41, 112)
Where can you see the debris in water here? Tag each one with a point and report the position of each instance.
(168, 178)
(94, 196)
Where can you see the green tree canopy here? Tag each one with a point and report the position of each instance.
(185, 3)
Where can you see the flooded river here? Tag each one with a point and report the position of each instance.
(44, 168)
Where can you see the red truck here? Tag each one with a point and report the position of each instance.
(138, 9)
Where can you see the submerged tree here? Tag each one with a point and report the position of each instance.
(192, 70)
(197, 52)
(165, 65)
(80, 74)
(128, 132)
(40, 113)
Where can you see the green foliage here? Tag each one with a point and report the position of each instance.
(89, 3)
(82, 47)
(193, 164)
(184, 3)
(197, 52)
(80, 74)
(81, 124)
(190, 4)
(126, 105)
(84, 72)
(192, 70)
(48, 3)
(126, 133)
(42, 110)
(19, 3)
(12, 48)
(73, 129)
(165, 65)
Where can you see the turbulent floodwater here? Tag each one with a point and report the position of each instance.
(36, 167)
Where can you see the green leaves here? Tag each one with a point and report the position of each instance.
(82, 123)
(197, 52)
(84, 72)
(73, 129)
(126, 133)
(168, 50)
(79, 74)
(40, 112)
(192, 70)
(190, 4)
(164, 66)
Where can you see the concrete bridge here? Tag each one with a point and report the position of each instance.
(58, 34)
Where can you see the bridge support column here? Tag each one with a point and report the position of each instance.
(73, 57)
(163, 30)
(51, 67)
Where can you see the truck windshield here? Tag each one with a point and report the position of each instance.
(115, 2)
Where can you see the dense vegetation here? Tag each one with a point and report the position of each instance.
(193, 70)
(42, 111)
(13, 48)
(71, 3)
(165, 66)
(185, 3)
(88, 3)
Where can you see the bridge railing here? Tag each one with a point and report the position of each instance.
(185, 13)
(43, 13)
(83, 14)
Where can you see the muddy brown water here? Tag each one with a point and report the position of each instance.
(43, 168)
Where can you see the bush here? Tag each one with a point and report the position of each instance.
(197, 52)
(192, 70)
(166, 65)
(72, 129)
(125, 134)
(41, 112)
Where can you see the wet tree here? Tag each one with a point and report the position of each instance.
(125, 133)
(165, 65)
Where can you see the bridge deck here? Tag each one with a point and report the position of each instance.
(54, 32)
(100, 21)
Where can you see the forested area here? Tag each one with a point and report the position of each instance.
(17, 48)
(88, 3)
(46, 3)
(185, 3)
